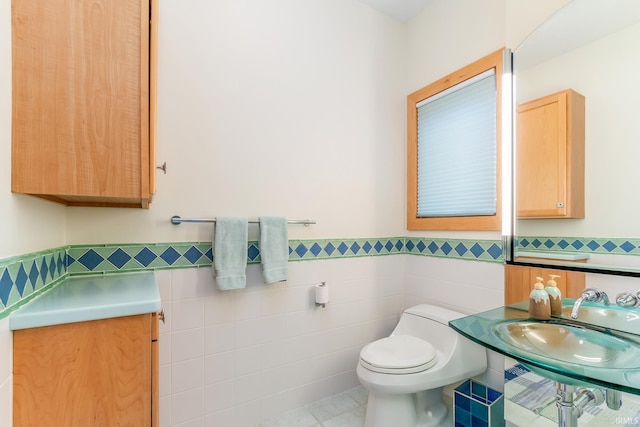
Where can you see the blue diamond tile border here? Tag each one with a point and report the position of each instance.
(469, 249)
(131, 257)
(589, 245)
(25, 276)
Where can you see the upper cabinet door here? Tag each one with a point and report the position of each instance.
(81, 101)
(550, 157)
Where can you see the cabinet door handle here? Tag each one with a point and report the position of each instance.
(161, 315)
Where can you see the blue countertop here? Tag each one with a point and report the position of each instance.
(83, 298)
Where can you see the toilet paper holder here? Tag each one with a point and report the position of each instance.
(322, 294)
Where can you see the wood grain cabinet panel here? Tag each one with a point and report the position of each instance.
(550, 157)
(519, 282)
(94, 373)
(83, 89)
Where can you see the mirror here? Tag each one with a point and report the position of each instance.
(590, 47)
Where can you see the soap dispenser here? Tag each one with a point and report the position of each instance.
(555, 296)
(539, 306)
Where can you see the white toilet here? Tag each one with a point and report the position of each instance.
(406, 372)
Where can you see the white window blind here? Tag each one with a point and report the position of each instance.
(457, 150)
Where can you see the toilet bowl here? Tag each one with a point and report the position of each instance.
(406, 372)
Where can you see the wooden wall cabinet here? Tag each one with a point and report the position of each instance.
(550, 157)
(83, 104)
(519, 280)
(93, 373)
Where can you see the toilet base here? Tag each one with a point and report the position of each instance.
(421, 409)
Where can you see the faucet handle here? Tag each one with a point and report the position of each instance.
(595, 295)
(627, 300)
(604, 298)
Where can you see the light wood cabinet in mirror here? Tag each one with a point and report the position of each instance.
(550, 157)
(519, 282)
(81, 102)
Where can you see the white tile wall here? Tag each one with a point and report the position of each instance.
(234, 358)
(465, 286)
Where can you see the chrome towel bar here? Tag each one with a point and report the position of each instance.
(176, 219)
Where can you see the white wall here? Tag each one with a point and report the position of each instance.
(523, 17)
(449, 35)
(285, 107)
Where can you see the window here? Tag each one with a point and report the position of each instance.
(453, 150)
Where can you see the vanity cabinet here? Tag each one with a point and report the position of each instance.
(550, 156)
(92, 373)
(83, 104)
(519, 280)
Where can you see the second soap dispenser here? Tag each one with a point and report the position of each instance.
(555, 296)
(539, 307)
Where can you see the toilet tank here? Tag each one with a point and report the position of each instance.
(430, 323)
(435, 313)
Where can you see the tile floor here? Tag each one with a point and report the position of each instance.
(346, 409)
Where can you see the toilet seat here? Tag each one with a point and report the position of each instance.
(398, 354)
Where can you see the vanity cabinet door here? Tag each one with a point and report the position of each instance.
(83, 98)
(94, 373)
(519, 280)
(550, 157)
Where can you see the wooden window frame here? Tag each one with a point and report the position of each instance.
(481, 222)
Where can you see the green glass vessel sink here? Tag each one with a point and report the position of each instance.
(569, 344)
(601, 346)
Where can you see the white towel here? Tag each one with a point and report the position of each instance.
(230, 252)
(274, 248)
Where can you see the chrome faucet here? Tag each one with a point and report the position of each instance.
(589, 295)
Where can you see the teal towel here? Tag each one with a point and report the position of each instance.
(274, 248)
(230, 252)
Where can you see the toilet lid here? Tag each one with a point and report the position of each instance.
(399, 352)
